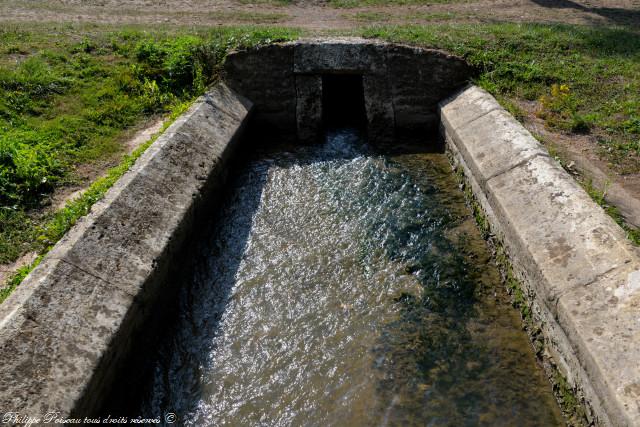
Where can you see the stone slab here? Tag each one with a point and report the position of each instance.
(565, 235)
(66, 328)
(463, 107)
(602, 322)
(495, 141)
(583, 273)
(345, 54)
(56, 338)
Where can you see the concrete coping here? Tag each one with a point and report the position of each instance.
(580, 272)
(66, 330)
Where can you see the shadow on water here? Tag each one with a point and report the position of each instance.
(433, 341)
(167, 377)
(449, 357)
(163, 374)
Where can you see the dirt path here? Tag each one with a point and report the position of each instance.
(319, 15)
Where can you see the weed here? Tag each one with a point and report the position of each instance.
(568, 400)
(68, 102)
(599, 196)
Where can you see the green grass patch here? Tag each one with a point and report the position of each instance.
(347, 4)
(248, 17)
(370, 17)
(586, 79)
(68, 97)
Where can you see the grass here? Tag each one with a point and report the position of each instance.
(67, 97)
(69, 93)
(249, 17)
(585, 79)
(347, 4)
(369, 17)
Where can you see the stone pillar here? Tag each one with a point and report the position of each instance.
(379, 107)
(309, 107)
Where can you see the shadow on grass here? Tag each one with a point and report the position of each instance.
(619, 16)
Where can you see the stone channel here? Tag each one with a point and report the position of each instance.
(73, 328)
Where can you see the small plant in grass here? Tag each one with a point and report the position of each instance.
(599, 196)
(16, 278)
(560, 109)
(68, 103)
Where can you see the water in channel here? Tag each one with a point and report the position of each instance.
(346, 286)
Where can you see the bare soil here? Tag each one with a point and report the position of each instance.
(318, 15)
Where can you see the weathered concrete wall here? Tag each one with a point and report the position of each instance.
(65, 331)
(579, 271)
(402, 84)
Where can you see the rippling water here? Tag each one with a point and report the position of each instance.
(342, 286)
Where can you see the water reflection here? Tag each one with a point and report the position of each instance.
(342, 286)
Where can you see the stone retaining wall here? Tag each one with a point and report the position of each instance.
(579, 271)
(402, 84)
(68, 327)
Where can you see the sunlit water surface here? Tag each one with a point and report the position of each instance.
(341, 286)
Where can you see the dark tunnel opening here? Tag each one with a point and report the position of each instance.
(343, 101)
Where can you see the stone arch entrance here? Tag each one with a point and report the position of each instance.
(402, 85)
